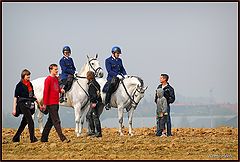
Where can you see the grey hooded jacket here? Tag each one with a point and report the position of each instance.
(161, 101)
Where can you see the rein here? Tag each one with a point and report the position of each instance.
(130, 97)
(88, 98)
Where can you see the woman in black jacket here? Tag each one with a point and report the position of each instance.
(23, 103)
(94, 110)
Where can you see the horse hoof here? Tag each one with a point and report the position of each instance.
(78, 135)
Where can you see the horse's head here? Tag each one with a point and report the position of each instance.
(138, 94)
(138, 90)
(94, 65)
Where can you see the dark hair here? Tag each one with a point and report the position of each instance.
(25, 72)
(165, 76)
(90, 75)
(51, 66)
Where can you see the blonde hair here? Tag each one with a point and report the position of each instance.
(25, 72)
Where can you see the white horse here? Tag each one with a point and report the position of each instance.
(129, 93)
(77, 96)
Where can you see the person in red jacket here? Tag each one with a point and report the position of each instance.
(51, 103)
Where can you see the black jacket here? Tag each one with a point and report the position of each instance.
(168, 93)
(21, 90)
(94, 91)
(22, 95)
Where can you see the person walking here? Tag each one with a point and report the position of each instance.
(23, 103)
(169, 95)
(51, 103)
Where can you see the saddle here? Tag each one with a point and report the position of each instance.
(115, 83)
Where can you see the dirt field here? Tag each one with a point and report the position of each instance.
(187, 143)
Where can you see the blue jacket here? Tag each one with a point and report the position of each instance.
(67, 67)
(114, 67)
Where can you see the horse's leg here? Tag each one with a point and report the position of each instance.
(40, 120)
(82, 118)
(120, 120)
(77, 109)
(130, 116)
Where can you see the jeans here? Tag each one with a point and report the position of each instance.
(169, 124)
(161, 122)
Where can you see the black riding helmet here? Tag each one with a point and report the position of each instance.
(116, 49)
(66, 48)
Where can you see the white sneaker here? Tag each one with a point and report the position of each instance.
(163, 135)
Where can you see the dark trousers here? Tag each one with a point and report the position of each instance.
(169, 125)
(93, 119)
(112, 85)
(53, 120)
(161, 121)
(27, 119)
(67, 83)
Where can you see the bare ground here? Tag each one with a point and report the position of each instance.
(187, 143)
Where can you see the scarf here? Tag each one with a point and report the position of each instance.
(27, 83)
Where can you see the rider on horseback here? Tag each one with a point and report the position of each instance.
(116, 71)
(68, 71)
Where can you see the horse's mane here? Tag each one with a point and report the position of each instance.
(139, 79)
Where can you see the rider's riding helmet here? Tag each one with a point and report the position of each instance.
(116, 49)
(66, 48)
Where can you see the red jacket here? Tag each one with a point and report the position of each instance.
(51, 91)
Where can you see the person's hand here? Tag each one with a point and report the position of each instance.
(43, 108)
(93, 105)
(62, 90)
(14, 112)
(161, 114)
(119, 76)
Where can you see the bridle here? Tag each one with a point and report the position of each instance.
(133, 102)
(96, 71)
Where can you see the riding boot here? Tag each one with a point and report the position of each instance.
(107, 101)
(97, 124)
(90, 121)
(91, 131)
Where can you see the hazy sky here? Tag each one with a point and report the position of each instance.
(195, 43)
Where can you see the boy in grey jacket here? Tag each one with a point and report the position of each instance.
(161, 111)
